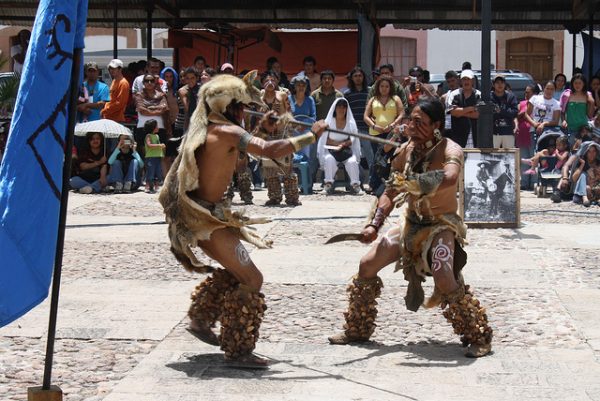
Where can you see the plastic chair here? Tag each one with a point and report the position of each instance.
(302, 170)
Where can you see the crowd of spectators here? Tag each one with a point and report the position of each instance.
(148, 94)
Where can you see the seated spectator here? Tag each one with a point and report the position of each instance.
(566, 185)
(125, 164)
(92, 170)
(584, 135)
(334, 147)
(587, 175)
(558, 149)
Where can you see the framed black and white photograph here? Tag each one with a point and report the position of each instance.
(489, 194)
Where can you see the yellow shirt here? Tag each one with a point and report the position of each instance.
(383, 115)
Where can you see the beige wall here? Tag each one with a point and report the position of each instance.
(556, 36)
(129, 34)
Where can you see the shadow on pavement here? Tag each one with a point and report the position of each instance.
(424, 354)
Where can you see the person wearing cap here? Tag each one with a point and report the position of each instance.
(98, 94)
(227, 68)
(463, 110)
(114, 109)
(506, 109)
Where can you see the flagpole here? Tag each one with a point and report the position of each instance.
(64, 198)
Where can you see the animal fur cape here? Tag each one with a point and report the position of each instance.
(188, 221)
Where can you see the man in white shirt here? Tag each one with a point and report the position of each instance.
(154, 69)
(19, 50)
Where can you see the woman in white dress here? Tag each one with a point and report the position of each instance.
(334, 147)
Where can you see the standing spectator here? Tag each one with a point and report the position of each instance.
(207, 75)
(92, 170)
(310, 72)
(200, 63)
(577, 107)
(543, 111)
(324, 97)
(155, 151)
(227, 68)
(172, 79)
(325, 94)
(463, 109)
(505, 111)
(382, 114)
(595, 91)
(98, 95)
(125, 164)
(387, 70)
(274, 65)
(416, 87)
(150, 104)
(524, 137)
(356, 95)
(560, 83)
(348, 147)
(452, 80)
(19, 50)
(114, 109)
(189, 94)
(153, 69)
(302, 106)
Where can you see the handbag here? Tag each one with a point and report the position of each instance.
(341, 155)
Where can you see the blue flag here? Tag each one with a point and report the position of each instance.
(31, 171)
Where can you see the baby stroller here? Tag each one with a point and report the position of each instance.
(547, 173)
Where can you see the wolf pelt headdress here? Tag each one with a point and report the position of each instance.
(188, 221)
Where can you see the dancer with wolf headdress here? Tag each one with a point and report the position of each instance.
(192, 198)
(424, 174)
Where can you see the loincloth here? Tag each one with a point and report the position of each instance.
(418, 234)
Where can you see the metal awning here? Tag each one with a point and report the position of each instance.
(425, 14)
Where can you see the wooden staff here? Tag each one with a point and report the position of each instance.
(309, 125)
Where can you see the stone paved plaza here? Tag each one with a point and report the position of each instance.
(124, 299)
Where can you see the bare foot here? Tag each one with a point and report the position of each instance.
(203, 333)
(249, 361)
(478, 350)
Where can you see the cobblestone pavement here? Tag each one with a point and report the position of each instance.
(530, 315)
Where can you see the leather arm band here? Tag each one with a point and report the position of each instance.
(298, 142)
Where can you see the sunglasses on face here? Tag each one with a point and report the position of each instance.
(148, 81)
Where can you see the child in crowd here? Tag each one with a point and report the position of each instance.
(125, 164)
(155, 151)
(558, 149)
(585, 134)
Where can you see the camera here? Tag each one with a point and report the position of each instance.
(127, 142)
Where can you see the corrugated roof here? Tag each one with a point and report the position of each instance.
(424, 14)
